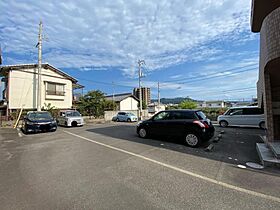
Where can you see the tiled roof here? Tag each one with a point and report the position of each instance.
(120, 97)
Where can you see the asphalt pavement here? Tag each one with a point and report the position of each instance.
(108, 166)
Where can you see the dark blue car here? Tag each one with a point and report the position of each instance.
(38, 122)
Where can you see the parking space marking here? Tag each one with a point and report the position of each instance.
(19, 132)
(229, 186)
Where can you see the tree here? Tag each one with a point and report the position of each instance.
(144, 105)
(188, 105)
(109, 105)
(92, 104)
(52, 109)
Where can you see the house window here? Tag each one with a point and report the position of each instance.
(55, 89)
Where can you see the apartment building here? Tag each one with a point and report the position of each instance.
(265, 19)
(146, 94)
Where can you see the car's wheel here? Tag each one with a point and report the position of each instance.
(128, 120)
(117, 120)
(143, 133)
(262, 125)
(223, 123)
(53, 130)
(24, 130)
(192, 139)
(74, 124)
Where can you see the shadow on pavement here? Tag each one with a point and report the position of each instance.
(237, 145)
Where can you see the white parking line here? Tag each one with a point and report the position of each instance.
(19, 133)
(229, 186)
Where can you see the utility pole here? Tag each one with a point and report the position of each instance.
(39, 66)
(0, 55)
(158, 98)
(113, 84)
(140, 63)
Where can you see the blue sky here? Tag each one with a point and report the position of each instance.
(203, 49)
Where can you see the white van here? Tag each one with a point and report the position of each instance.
(249, 115)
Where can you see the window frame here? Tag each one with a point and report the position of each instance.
(54, 92)
(168, 114)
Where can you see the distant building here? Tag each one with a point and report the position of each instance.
(213, 104)
(146, 94)
(154, 108)
(124, 101)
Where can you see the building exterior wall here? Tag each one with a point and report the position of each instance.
(23, 89)
(129, 103)
(212, 104)
(155, 108)
(146, 94)
(270, 62)
(269, 45)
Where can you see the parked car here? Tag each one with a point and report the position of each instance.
(249, 115)
(70, 118)
(192, 126)
(125, 116)
(38, 122)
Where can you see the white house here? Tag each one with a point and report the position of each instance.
(213, 104)
(125, 101)
(154, 108)
(20, 86)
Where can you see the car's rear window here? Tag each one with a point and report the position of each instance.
(73, 114)
(201, 115)
(182, 115)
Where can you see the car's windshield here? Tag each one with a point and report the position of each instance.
(39, 116)
(201, 115)
(72, 114)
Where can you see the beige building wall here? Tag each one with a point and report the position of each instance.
(23, 89)
(266, 20)
(129, 104)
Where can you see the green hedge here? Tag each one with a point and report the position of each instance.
(213, 113)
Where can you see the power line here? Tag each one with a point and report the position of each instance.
(199, 76)
(206, 78)
(223, 91)
(104, 83)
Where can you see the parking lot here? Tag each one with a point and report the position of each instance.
(107, 166)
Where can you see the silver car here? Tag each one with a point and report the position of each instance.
(70, 118)
(248, 116)
(125, 116)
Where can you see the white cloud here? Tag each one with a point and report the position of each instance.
(105, 34)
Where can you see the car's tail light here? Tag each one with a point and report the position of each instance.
(201, 124)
